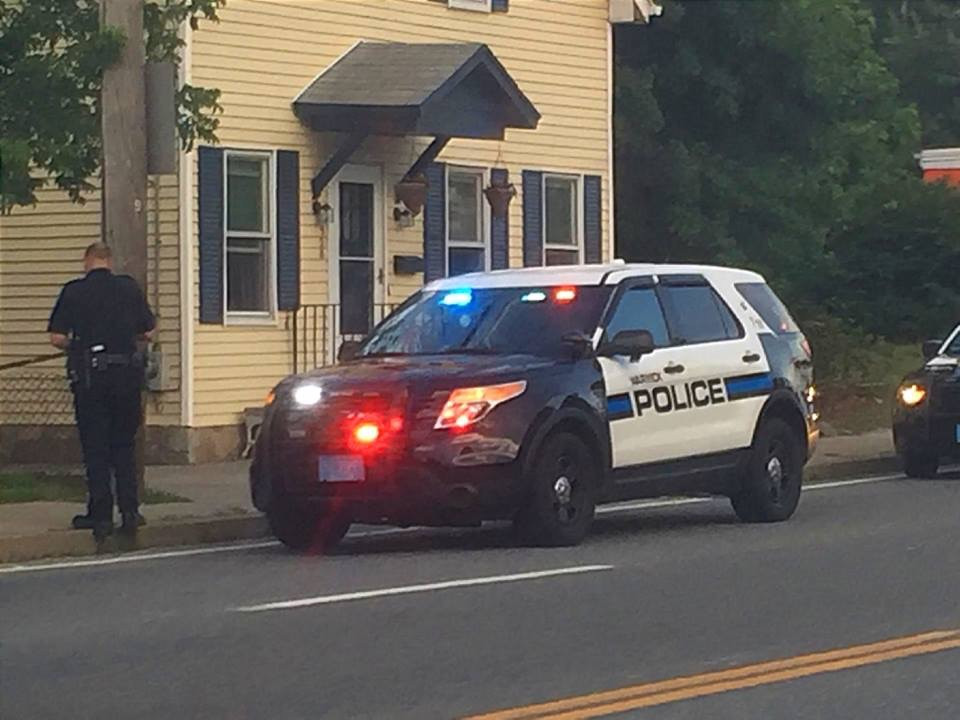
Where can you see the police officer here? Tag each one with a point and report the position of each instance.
(98, 320)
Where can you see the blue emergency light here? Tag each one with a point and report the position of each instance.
(457, 298)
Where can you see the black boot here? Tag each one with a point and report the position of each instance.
(83, 522)
(102, 529)
(132, 521)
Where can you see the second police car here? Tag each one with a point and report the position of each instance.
(534, 395)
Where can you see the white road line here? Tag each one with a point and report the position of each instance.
(136, 557)
(428, 587)
(856, 481)
(238, 547)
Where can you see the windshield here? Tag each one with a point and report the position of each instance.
(529, 321)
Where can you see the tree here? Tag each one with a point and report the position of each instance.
(774, 135)
(52, 57)
(920, 41)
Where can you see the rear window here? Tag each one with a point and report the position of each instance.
(769, 307)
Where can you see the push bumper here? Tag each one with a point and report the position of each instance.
(418, 487)
(927, 434)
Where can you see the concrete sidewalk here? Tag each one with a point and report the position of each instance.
(220, 510)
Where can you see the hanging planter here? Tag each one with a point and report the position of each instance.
(412, 192)
(499, 194)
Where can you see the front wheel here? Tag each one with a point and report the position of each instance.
(562, 499)
(770, 491)
(919, 465)
(306, 529)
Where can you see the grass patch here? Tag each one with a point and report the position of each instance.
(31, 487)
(858, 395)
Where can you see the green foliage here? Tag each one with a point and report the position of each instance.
(775, 135)
(920, 40)
(52, 57)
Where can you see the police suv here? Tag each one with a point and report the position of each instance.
(535, 394)
(926, 417)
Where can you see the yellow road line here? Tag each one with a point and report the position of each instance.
(693, 686)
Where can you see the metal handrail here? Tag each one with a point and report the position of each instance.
(31, 361)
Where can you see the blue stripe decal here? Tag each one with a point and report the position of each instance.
(749, 384)
(618, 404)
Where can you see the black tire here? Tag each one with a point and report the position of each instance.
(919, 465)
(770, 490)
(306, 529)
(562, 493)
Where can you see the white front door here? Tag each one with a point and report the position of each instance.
(356, 253)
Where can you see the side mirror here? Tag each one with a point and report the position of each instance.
(931, 348)
(581, 344)
(349, 349)
(632, 343)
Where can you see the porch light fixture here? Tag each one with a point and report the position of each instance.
(323, 212)
(403, 216)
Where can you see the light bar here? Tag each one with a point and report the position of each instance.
(457, 298)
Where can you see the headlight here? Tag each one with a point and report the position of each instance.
(912, 395)
(468, 405)
(307, 395)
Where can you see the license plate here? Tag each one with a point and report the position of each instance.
(340, 468)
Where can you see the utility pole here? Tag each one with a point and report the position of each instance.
(124, 191)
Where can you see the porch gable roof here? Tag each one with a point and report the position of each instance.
(446, 89)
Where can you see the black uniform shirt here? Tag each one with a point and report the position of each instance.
(102, 309)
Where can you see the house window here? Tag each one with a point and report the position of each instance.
(249, 238)
(478, 5)
(466, 229)
(563, 238)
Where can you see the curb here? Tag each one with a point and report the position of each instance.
(843, 469)
(78, 543)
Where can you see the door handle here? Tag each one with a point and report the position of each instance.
(674, 369)
(380, 276)
(751, 357)
(802, 364)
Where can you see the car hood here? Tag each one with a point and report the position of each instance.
(436, 370)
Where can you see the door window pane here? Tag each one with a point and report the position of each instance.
(248, 272)
(247, 194)
(356, 297)
(639, 309)
(463, 200)
(560, 211)
(356, 220)
(697, 315)
(465, 260)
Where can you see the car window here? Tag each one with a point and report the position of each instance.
(639, 309)
(769, 307)
(696, 314)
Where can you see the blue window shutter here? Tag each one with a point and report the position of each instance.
(592, 220)
(500, 227)
(532, 218)
(435, 223)
(288, 230)
(210, 206)
(500, 5)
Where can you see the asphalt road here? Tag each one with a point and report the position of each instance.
(441, 624)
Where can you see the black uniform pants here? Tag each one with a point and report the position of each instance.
(108, 413)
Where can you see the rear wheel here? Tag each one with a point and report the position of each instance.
(307, 529)
(771, 485)
(562, 498)
(919, 465)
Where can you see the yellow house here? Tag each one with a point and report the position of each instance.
(365, 146)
